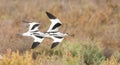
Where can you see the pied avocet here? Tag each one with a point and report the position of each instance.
(53, 30)
(34, 33)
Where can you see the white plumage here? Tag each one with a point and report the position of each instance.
(52, 32)
(33, 26)
(35, 34)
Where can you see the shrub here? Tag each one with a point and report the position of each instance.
(92, 54)
(14, 58)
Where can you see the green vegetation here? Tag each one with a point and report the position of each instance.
(65, 54)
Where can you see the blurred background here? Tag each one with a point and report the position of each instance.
(96, 21)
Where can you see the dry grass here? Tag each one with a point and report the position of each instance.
(73, 54)
(111, 61)
(96, 21)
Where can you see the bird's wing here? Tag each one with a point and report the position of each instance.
(55, 23)
(56, 40)
(35, 44)
(33, 26)
(37, 40)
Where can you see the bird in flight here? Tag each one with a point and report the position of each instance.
(34, 33)
(52, 32)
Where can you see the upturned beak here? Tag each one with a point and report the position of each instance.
(19, 35)
(72, 35)
(25, 21)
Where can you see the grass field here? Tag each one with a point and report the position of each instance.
(95, 25)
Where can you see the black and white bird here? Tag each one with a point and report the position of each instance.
(53, 30)
(34, 33)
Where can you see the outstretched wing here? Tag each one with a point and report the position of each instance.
(56, 40)
(33, 26)
(55, 23)
(37, 40)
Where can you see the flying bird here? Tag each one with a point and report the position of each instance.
(53, 30)
(34, 33)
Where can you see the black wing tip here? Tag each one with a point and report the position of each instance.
(56, 25)
(50, 15)
(34, 26)
(54, 45)
(35, 44)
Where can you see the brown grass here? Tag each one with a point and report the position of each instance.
(89, 20)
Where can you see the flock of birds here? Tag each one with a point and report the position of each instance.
(52, 32)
